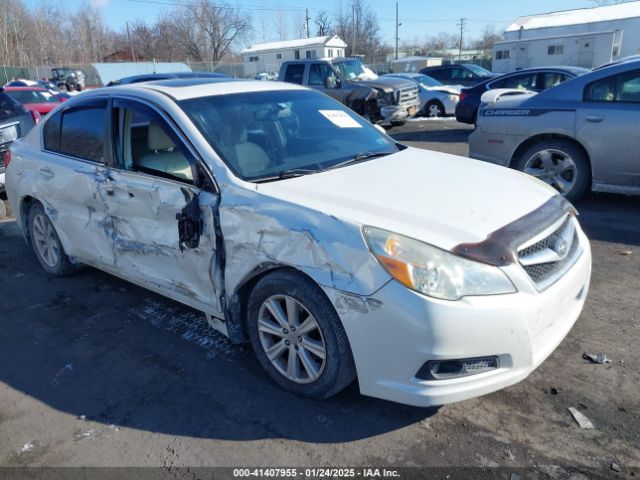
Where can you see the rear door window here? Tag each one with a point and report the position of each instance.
(83, 131)
(294, 73)
(51, 133)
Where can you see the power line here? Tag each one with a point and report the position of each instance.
(232, 7)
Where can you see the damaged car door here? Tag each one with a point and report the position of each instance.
(160, 206)
(68, 175)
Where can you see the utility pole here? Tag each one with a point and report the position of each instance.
(461, 25)
(397, 25)
(133, 54)
(353, 29)
(306, 22)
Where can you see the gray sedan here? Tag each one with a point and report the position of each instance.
(580, 135)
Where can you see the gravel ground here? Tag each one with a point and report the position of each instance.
(97, 372)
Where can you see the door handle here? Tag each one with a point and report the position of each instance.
(594, 118)
(46, 173)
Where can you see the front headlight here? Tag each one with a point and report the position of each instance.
(432, 271)
(385, 98)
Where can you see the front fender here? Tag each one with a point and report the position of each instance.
(260, 230)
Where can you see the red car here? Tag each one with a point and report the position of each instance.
(38, 100)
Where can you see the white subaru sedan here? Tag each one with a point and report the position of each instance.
(294, 224)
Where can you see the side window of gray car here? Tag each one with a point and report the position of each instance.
(624, 87)
(79, 131)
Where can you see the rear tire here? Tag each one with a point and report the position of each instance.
(559, 163)
(46, 243)
(315, 361)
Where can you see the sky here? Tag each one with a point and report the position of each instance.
(419, 18)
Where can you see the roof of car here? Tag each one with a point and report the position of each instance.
(22, 89)
(167, 75)
(184, 89)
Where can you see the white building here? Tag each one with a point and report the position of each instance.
(267, 57)
(414, 64)
(587, 37)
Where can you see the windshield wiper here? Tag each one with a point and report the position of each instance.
(359, 157)
(289, 173)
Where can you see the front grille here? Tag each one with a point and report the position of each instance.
(408, 96)
(549, 258)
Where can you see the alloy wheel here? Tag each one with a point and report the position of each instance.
(46, 240)
(291, 339)
(554, 167)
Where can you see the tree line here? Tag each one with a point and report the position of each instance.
(198, 31)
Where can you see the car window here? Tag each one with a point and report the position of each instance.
(624, 87)
(83, 131)
(9, 107)
(294, 73)
(51, 132)
(526, 81)
(144, 142)
(441, 74)
(458, 73)
(320, 73)
(551, 79)
(33, 96)
(261, 135)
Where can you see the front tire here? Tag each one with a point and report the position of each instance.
(434, 109)
(559, 163)
(46, 244)
(298, 337)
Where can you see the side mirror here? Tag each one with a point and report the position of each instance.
(189, 224)
(330, 82)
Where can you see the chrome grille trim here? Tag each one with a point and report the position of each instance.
(408, 96)
(548, 256)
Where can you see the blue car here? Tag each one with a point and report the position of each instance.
(150, 77)
(535, 79)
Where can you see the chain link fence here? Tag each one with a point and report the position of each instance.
(38, 72)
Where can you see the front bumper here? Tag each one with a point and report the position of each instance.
(398, 114)
(466, 112)
(396, 330)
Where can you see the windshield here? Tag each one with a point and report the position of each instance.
(350, 69)
(269, 135)
(481, 72)
(33, 96)
(427, 81)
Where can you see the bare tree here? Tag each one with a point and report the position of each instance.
(322, 21)
(357, 25)
(281, 24)
(487, 39)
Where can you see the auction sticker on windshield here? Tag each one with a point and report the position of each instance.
(340, 119)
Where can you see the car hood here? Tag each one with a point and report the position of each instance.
(42, 108)
(442, 199)
(386, 83)
(450, 89)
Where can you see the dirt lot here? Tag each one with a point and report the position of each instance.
(94, 371)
